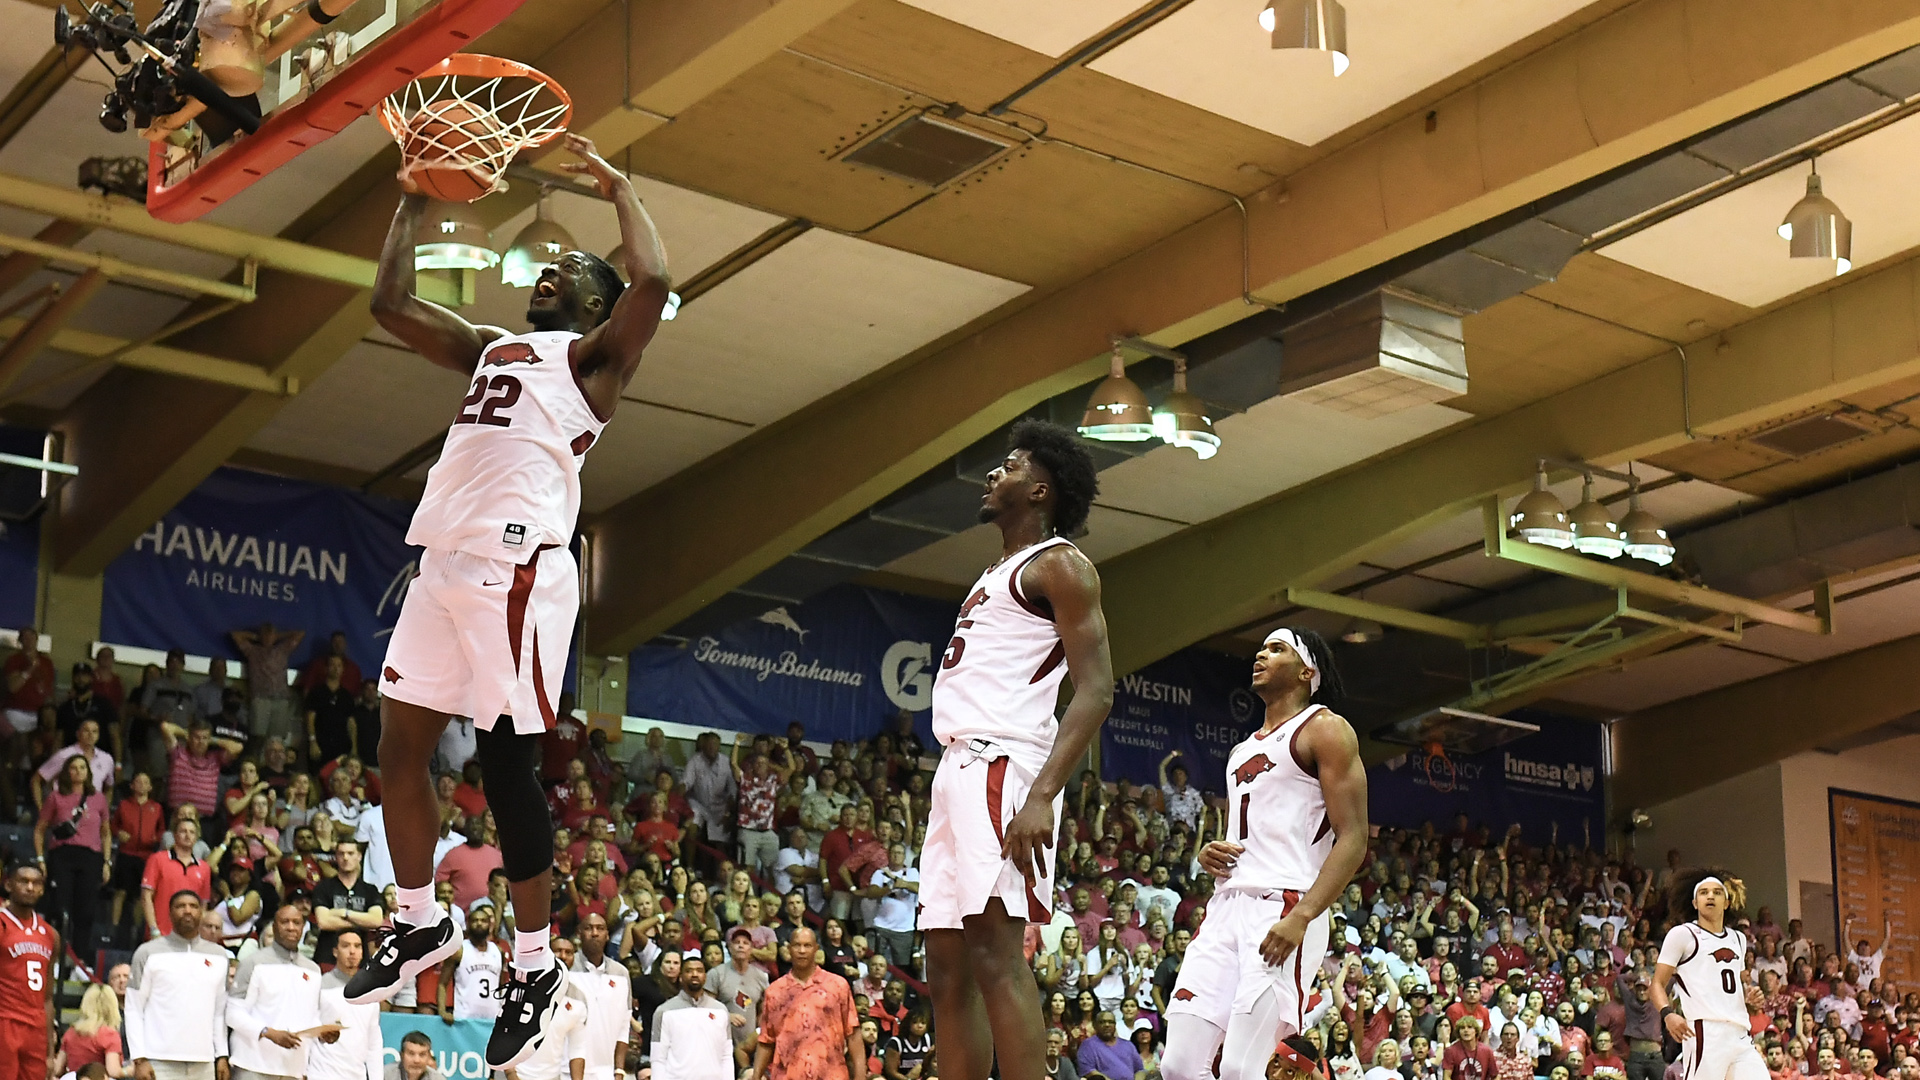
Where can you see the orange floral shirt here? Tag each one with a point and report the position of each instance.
(808, 1024)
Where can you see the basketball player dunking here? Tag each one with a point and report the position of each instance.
(485, 627)
(1708, 962)
(1297, 815)
(1032, 619)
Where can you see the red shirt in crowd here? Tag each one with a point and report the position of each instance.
(654, 836)
(471, 802)
(1476, 1064)
(467, 867)
(1609, 1066)
(567, 740)
(107, 685)
(35, 690)
(1476, 1010)
(139, 826)
(757, 796)
(166, 875)
(194, 779)
(1510, 955)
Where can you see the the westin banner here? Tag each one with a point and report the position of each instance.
(1194, 703)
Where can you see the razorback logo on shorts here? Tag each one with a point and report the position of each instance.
(512, 352)
(1183, 995)
(392, 675)
(1251, 768)
(1725, 956)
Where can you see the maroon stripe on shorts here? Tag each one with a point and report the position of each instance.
(517, 598)
(540, 685)
(996, 783)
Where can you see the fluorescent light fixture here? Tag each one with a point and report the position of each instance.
(452, 237)
(541, 242)
(1816, 229)
(1539, 517)
(1182, 419)
(1594, 532)
(1118, 410)
(1644, 536)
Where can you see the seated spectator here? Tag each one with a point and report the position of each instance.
(1106, 1055)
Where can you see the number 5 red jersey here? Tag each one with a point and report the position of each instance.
(26, 967)
(508, 478)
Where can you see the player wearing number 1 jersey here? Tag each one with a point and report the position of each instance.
(986, 869)
(1706, 961)
(27, 948)
(1296, 832)
(485, 627)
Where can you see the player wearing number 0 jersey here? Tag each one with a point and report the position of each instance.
(1296, 832)
(1706, 961)
(27, 948)
(986, 869)
(485, 627)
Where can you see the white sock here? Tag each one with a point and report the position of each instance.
(417, 907)
(530, 953)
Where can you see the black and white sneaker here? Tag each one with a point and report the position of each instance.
(407, 952)
(521, 1028)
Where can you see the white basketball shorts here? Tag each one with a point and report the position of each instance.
(485, 638)
(1721, 1051)
(976, 791)
(1223, 972)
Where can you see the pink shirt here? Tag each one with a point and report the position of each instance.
(195, 780)
(467, 867)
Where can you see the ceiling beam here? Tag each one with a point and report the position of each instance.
(1754, 723)
(38, 330)
(1539, 126)
(138, 457)
(1237, 568)
(37, 87)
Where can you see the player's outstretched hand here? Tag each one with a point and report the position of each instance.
(1284, 937)
(604, 175)
(1218, 857)
(1677, 1027)
(1030, 830)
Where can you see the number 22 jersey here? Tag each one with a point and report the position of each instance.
(508, 478)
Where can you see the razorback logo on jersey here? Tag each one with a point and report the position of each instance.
(979, 597)
(513, 352)
(1183, 995)
(392, 675)
(1252, 768)
(1725, 956)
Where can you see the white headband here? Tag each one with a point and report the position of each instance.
(1709, 880)
(1293, 641)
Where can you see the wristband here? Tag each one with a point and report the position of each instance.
(1671, 1010)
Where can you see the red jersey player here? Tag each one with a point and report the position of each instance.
(987, 866)
(27, 948)
(1297, 819)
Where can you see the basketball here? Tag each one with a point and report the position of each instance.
(456, 150)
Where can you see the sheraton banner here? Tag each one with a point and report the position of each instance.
(843, 663)
(246, 548)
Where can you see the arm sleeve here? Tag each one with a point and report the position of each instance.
(240, 1015)
(1677, 949)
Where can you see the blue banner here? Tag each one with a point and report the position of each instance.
(19, 571)
(843, 663)
(1194, 703)
(246, 548)
(459, 1048)
(1552, 778)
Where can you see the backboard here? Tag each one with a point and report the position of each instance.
(371, 50)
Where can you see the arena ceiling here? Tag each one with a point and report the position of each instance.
(1585, 182)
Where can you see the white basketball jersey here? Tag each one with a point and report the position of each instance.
(1707, 968)
(1276, 810)
(508, 478)
(1000, 677)
(474, 981)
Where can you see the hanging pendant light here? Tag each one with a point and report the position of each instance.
(1118, 411)
(1539, 517)
(541, 242)
(618, 259)
(1319, 25)
(1816, 229)
(1645, 538)
(452, 237)
(1182, 419)
(1594, 532)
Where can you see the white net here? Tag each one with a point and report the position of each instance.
(474, 114)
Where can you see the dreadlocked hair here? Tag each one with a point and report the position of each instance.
(1321, 654)
(1680, 893)
(1069, 467)
(608, 280)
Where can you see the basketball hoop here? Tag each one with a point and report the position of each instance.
(463, 120)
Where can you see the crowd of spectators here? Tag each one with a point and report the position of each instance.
(1456, 952)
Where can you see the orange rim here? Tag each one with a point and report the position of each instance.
(476, 65)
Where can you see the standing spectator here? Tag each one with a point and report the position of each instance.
(138, 823)
(1106, 1054)
(416, 1059)
(1645, 1061)
(710, 792)
(608, 988)
(898, 887)
(467, 866)
(759, 784)
(1469, 1058)
(210, 697)
(1184, 802)
(85, 703)
(193, 767)
(275, 996)
(316, 669)
(357, 1053)
(177, 999)
(1513, 1062)
(171, 872)
(86, 745)
(692, 1038)
(655, 754)
(836, 850)
(268, 652)
(797, 865)
(276, 766)
(343, 901)
(809, 1028)
(28, 675)
(329, 715)
(366, 724)
(565, 741)
(72, 838)
(741, 985)
(106, 681)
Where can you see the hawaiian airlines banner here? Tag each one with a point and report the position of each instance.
(1194, 703)
(246, 548)
(1550, 779)
(843, 663)
(459, 1046)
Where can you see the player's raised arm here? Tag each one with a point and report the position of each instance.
(434, 332)
(1068, 581)
(617, 343)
